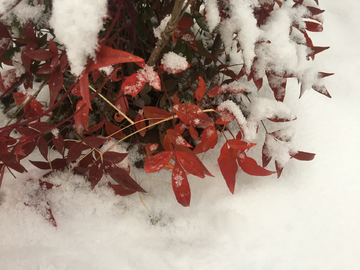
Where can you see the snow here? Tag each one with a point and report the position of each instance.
(307, 219)
(158, 30)
(76, 25)
(173, 62)
(212, 14)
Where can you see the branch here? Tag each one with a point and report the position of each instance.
(176, 15)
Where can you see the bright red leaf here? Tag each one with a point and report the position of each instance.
(155, 115)
(239, 145)
(158, 162)
(228, 166)
(133, 84)
(190, 114)
(200, 91)
(250, 166)
(189, 163)
(181, 185)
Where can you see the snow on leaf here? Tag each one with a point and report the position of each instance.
(133, 84)
(189, 163)
(173, 63)
(181, 185)
(158, 162)
(208, 141)
(190, 114)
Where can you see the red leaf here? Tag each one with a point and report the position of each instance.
(94, 128)
(190, 114)
(56, 80)
(113, 157)
(225, 118)
(279, 168)
(17, 167)
(239, 145)
(95, 75)
(249, 165)
(120, 190)
(181, 185)
(122, 104)
(94, 142)
(304, 156)
(41, 164)
(8, 76)
(81, 116)
(277, 85)
(58, 164)
(167, 145)
(95, 173)
(200, 91)
(189, 163)
(315, 50)
(113, 131)
(324, 74)
(5, 38)
(315, 11)
(217, 90)
(140, 124)
(123, 178)
(52, 46)
(107, 56)
(19, 98)
(39, 55)
(158, 162)
(176, 99)
(58, 141)
(313, 26)
(155, 115)
(84, 89)
(42, 126)
(194, 134)
(74, 152)
(208, 141)
(133, 84)
(266, 158)
(321, 89)
(43, 147)
(228, 166)
(185, 23)
(151, 148)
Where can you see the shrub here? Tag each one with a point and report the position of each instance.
(169, 76)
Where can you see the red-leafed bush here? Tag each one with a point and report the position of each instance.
(171, 84)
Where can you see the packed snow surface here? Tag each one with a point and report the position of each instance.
(307, 219)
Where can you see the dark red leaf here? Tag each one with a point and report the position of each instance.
(94, 142)
(113, 131)
(181, 185)
(228, 166)
(82, 115)
(304, 156)
(324, 74)
(52, 46)
(155, 115)
(5, 38)
(58, 142)
(39, 55)
(17, 167)
(42, 126)
(250, 166)
(84, 88)
(313, 26)
(185, 23)
(94, 128)
(189, 163)
(120, 190)
(122, 105)
(19, 98)
(315, 11)
(315, 50)
(123, 178)
(43, 147)
(58, 163)
(158, 162)
(200, 91)
(113, 157)
(190, 114)
(74, 152)
(56, 80)
(266, 158)
(95, 173)
(41, 164)
(140, 124)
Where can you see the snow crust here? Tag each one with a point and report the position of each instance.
(76, 25)
(308, 219)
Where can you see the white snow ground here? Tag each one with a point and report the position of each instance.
(307, 219)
